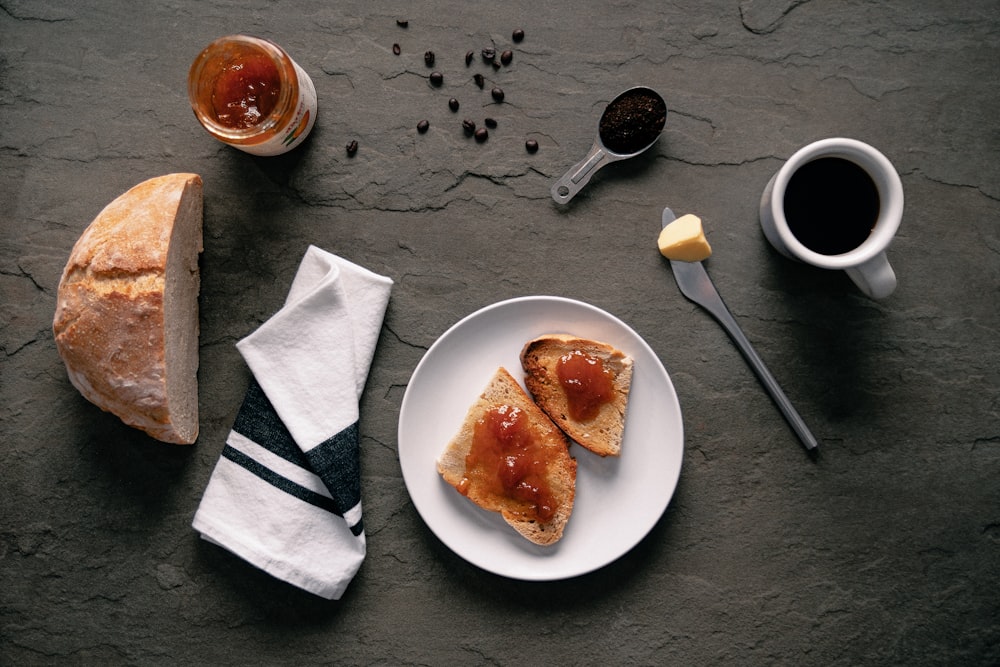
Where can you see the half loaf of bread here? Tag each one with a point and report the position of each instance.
(508, 457)
(126, 320)
(601, 427)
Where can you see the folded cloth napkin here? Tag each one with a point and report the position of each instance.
(286, 493)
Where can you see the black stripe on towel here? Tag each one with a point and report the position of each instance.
(279, 482)
(337, 462)
(257, 420)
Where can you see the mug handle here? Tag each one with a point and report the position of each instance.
(875, 277)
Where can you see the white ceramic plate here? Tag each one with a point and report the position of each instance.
(618, 500)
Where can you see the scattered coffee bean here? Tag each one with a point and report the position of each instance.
(490, 56)
(352, 147)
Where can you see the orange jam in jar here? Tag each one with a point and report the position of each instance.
(248, 93)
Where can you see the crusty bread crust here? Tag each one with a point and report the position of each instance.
(503, 389)
(601, 435)
(126, 320)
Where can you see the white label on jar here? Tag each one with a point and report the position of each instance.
(301, 124)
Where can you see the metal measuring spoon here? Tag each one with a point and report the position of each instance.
(623, 124)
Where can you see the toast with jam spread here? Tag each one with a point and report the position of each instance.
(508, 457)
(583, 386)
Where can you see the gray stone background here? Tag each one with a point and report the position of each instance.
(883, 549)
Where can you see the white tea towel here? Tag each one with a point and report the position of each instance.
(286, 492)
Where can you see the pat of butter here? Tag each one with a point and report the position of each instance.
(684, 240)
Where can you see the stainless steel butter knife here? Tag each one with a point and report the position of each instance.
(694, 283)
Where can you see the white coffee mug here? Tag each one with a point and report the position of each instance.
(866, 264)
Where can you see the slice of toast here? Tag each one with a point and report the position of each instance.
(583, 385)
(508, 457)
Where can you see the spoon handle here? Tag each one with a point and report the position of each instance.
(579, 174)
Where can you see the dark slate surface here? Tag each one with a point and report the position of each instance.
(884, 549)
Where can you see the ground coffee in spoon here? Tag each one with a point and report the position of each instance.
(632, 121)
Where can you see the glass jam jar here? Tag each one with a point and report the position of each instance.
(248, 93)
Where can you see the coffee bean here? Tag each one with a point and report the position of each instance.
(352, 147)
(468, 126)
(531, 146)
(490, 122)
(396, 49)
(497, 94)
(480, 81)
(437, 78)
(429, 58)
(518, 35)
(496, 65)
(453, 104)
(422, 126)
(489, 53)
(402, 23)
(469, 55)
(506, 57)
(482, 135)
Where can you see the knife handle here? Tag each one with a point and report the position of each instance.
(788, 410)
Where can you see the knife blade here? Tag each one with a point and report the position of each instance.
(697, 286)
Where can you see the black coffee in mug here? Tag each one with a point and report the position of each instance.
(831, 205)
